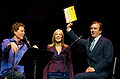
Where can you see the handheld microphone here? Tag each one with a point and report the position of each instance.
(27, 41)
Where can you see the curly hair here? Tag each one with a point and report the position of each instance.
(16, 26)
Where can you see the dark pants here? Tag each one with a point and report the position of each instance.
(15, 75)
(58, 76)
(91, 75)
(86, 76)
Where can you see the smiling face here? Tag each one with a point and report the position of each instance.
(20, 33)
(95, 30)
(58, 37)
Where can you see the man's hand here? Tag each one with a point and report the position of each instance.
(90, 69)
(69, 25)
(35, 46)
(14, 47)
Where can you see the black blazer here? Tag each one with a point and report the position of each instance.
(101, 56)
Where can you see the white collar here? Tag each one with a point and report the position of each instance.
(96, 39)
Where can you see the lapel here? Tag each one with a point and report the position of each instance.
(88, 43)
(89, 40)
(97, 45)
(53, 49)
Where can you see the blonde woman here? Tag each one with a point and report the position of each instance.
(60, 65)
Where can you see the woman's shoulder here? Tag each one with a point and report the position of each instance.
(65, 45)
(50, 45)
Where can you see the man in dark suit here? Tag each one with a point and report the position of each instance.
(99, 53)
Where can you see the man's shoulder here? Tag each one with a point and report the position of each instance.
(106, 40)
(8, 39)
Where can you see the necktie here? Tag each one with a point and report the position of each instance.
(92, 45)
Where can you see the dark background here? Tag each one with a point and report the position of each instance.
(43, 17)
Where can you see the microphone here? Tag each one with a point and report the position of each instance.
(76, 40)
(27, 41)
(72, 44)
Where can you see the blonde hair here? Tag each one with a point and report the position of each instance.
(53, 38)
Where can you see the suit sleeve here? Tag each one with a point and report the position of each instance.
(74, 37)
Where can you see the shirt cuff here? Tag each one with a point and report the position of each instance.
(68, 29)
